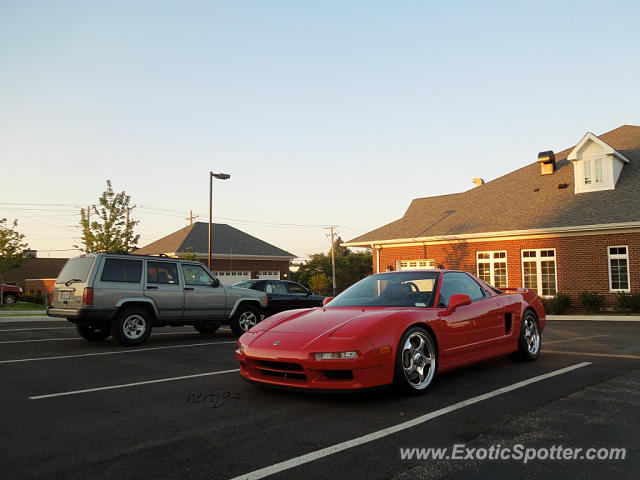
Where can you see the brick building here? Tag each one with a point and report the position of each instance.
(568, 223)
(236, 254)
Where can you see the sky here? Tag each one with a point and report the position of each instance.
(323, 113)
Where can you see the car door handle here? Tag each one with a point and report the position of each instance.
(189, 288)
(151, 287)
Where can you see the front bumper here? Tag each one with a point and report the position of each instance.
(83, 315)
(304, 373)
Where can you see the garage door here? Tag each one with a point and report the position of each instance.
(231, 277)
(269, 275)
(414, 264)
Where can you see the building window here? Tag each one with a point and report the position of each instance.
(618, 268)
(593, 172)
(492, 268)
(539, 271)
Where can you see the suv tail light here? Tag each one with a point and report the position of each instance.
(87, 297)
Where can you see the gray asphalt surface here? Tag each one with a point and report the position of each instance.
(217, 426)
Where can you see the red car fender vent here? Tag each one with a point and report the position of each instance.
(87, 297)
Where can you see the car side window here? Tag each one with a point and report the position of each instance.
(458, 283)
(196, 275)
(296, 288)
(162, 272)
(278, 288)
(121, 270)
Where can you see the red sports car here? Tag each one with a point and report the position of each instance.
(393, 328)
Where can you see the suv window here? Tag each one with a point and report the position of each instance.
(276, 287)
(296, 288)
(195, 275)
(458, 283)
(121, 270)
(76, 268)
(162, 272)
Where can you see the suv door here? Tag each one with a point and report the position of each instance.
(162, 284)
(204, 296)
(300, 296)
(278, 297)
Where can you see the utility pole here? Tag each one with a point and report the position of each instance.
(126, 232)
(333, 258)
(192, 217)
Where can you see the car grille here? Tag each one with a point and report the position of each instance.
(283, 370)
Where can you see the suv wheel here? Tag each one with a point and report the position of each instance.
(132, 326)
(93, 334)
(207, 328)
(246, 317)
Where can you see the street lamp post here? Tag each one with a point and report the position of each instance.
(219, 176)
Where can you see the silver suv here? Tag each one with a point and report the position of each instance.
(125, 295)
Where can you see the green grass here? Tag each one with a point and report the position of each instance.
(18, 306)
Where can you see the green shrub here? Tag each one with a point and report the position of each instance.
(628, 302)
(34, 299)
(557, 305)
(592, 301)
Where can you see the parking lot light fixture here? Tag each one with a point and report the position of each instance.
(219, 176)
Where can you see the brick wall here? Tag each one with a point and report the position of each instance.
(581, 261)
(40, 286)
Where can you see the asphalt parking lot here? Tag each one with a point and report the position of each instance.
(176, 407)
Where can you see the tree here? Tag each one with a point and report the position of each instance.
(188, 254)
(12, 250)
(112, 232)
(350, 268)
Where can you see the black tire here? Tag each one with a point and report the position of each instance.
(245, 317)
(410, 357)
(530, 340)
(10, 298)
(132, 326)
(93, 334)
(207, 328)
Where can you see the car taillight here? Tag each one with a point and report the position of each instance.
(87, 297)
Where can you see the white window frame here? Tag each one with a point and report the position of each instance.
(618, 256)
(492, 261)
(538, 259)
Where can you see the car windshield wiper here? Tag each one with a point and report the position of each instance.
(73, 280)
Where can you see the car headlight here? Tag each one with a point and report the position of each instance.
(336, 355)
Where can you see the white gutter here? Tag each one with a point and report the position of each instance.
(505, 233)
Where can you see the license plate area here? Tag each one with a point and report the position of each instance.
(65, 295)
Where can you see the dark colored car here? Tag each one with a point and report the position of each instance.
(283, 295)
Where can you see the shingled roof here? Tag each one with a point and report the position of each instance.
(227, 240)
(524, 200)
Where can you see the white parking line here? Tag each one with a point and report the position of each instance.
(78, 338)
(125, 385)
(309, 457)
(112, 352)
(31, 329)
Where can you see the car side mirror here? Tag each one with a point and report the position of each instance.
(216, 283)
(326, 300)
(458, 301)
(309, 292)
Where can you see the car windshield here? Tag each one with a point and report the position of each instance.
(398, 289)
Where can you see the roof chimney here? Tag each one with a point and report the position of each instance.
(478, 181)
(547, 161)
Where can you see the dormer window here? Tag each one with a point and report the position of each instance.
(596, 165)
(592, 169)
